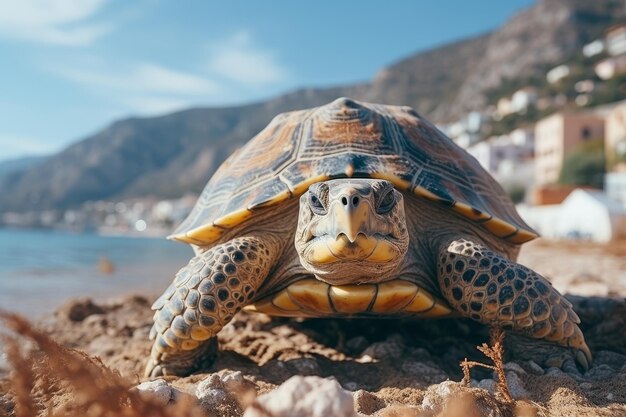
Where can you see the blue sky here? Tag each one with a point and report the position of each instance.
(70, 67)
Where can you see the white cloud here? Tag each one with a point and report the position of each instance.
(16, 146)
(238, 60)
(151, 104)
(60, 22)
(144, 77)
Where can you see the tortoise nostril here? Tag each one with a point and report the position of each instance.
(355, 201)
(344, 201)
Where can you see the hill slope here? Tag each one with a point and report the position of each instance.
(169, 155)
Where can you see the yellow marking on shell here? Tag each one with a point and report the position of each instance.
(439, 310)
(523, 236)
(233, 219)
(278, 198)
(469, 212)
(421, 302)
(199, 333)
(423, 192)
(352, 298)
(203, 235)
(393, 296)
(284, 302)
(349, 171)
(384, 252)
(495, 225)
(189, 344)
(182, 237)
(302, 187)
(311, 295)
(398, 182)
(499, 227)
(266, 307)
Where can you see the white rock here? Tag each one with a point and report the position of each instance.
(437, 394)
(211, 392)
(512, 366)
(158, 390)
(487, 384)
(309, 396)
(426, 372)
(516, 386)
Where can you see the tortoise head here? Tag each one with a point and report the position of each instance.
(352, 230)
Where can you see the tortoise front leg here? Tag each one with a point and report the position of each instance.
(491, 289)
(203, 298)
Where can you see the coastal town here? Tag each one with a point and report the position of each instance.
(557, 145)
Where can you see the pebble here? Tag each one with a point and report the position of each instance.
(428, 373)
(367, 403)
(436, 395)
(211, 392)
(600, 372)
(304, 366)
(357, 344)
(514, 367)
(304, 396)
(516, 386)
(158, 390)
(390, 349)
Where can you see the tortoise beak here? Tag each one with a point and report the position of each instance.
(351, 216)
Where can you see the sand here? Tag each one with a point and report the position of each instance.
(392, 363)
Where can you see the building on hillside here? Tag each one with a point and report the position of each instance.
(509, 158)
(522, 99)
(556, 74)
(616, 40)
(465, 131)
(615, 186)
(593, 48)
(610, 67)
(556, 136)
(615, 138)
(584, 214)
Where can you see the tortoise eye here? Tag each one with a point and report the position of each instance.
(386, 203)
(316, 204)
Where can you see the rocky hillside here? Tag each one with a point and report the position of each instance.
(169, 155)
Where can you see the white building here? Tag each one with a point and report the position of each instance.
(615, 186)
(593, 48)
(584, 214)
(466, 131)
(616, 40)
(610, 67)
(556, 74)
(500, 155)
(522, 99)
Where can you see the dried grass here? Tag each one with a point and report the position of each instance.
(55, 381)
(495, 353)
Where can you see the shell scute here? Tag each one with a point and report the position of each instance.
(347, 138)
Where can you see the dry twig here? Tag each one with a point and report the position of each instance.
(494, 352)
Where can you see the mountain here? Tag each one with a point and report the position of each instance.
(8, 166)
(170, 155)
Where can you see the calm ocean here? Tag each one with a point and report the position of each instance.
(39, 270)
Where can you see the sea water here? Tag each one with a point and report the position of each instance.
(39, 270)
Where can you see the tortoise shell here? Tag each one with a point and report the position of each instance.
(347, 138)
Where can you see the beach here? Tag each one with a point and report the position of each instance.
(384, 364)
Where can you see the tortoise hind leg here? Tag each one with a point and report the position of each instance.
(489, 288)
(203, 298)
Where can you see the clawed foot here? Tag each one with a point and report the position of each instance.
(569, 359)
(182, 363)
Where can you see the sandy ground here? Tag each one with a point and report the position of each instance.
(394, 360)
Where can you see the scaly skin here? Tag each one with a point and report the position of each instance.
(203, 298)
(494, 290)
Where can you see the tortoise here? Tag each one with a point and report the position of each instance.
(353, 209)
